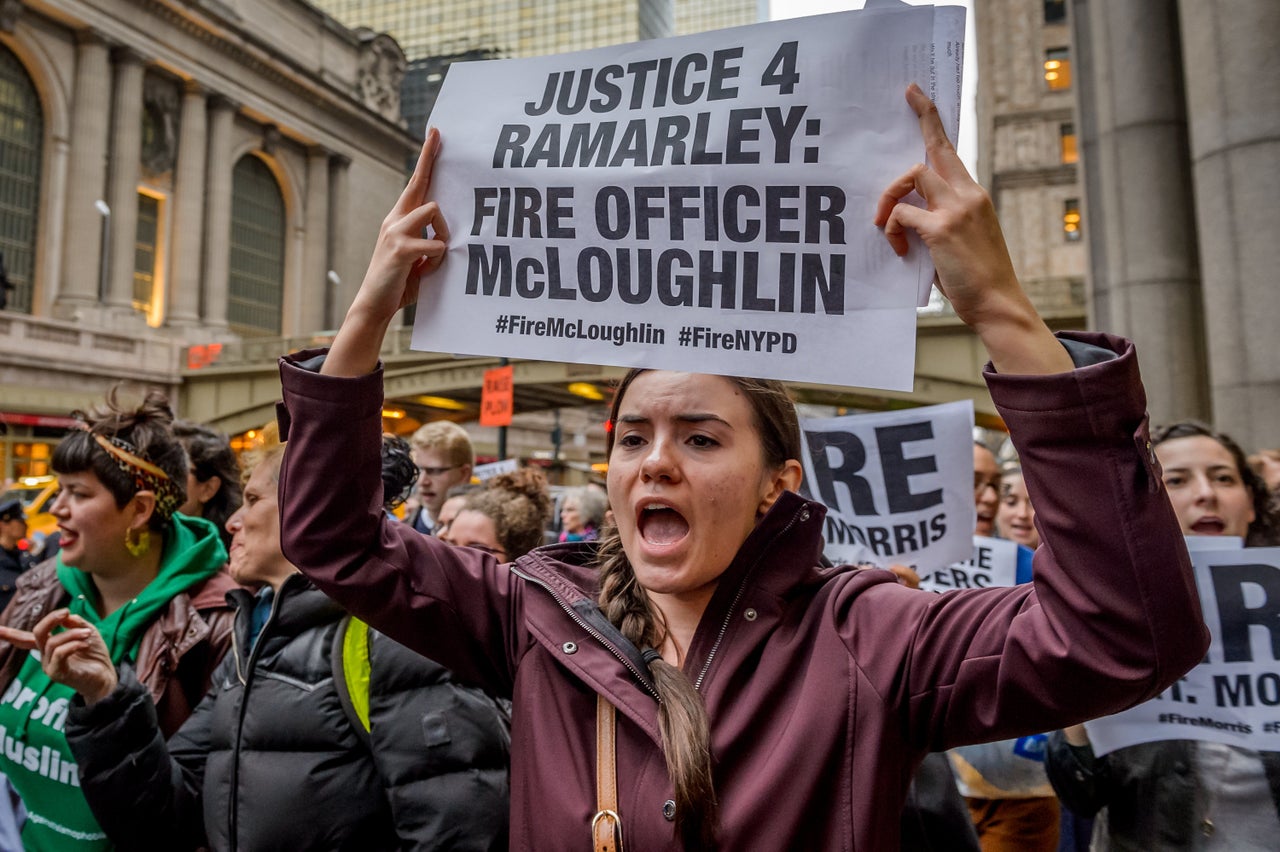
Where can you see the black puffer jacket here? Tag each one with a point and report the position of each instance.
(273, 761)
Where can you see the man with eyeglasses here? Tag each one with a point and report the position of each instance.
(986, 489)
(444, 456)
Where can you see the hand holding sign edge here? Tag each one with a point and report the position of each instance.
(402, 256)
(960, 229)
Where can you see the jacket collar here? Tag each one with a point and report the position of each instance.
(299, 606)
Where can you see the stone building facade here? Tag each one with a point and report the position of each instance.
(1180, 145)
(1027, 152)
(176, 173)
(435, 35)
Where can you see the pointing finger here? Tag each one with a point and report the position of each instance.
(415, 191)
(942, 154)
(23, 639)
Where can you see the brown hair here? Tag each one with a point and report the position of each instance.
(1264, 531)
(682, 717)
(519, 505)
(210, 454)
(146, 428)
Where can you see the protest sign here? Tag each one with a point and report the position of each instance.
(1233, 696)
(497, 396)
(993, 562)
(706, 198)
(489, 470)
(897, 485)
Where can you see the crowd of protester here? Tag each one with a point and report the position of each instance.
(343, 640)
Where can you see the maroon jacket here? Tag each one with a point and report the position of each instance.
(823, 688)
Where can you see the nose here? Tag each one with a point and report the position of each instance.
(1205, 492)
(658, 463)
(236, 521)
(59, 507)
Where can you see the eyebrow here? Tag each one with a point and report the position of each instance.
(692, 417)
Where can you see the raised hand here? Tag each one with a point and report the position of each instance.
(400, 257)
(960, 229)
(75, 656)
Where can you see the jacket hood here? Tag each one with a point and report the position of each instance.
(193, 552)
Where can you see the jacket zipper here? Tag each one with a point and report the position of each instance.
(244, 702)
(587, 627)
(802, 515)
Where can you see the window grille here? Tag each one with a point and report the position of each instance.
(256, 287)
(145, 248)
(21, 151)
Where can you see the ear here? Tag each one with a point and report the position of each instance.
(467, 468)
(785, 478)
(142, 504)
(205, 490)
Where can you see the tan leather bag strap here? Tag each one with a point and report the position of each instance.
(606, 826)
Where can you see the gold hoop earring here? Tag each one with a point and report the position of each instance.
(138, 546)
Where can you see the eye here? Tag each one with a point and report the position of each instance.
(1173, 480)
(703, 441)
(630, 440)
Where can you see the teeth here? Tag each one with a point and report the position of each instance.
(655, 506)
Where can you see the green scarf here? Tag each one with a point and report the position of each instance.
(193, 552)
(33, 710)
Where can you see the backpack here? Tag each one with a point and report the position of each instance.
(351, 670)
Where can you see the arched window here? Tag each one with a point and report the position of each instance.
(21, 134)
(256, 288)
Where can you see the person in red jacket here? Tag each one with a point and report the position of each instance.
(746, 697)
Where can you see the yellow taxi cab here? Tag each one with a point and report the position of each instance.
(36, 494)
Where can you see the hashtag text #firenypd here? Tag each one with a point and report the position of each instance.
(742, 339)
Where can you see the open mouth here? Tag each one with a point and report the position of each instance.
(1209, 526)
(662, 525)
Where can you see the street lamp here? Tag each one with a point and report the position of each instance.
(104, 254)
(331, 297)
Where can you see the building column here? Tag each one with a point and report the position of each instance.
(86, 183)
(1235, 155)
(339, 205)
(217, 257)
(122, 181)
(315, 255)
(188, 214)
(1149, 287)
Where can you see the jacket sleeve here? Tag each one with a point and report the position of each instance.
(144, 793)
(1081, 779)
(442, 751)
(455, 605)
(1112, 616)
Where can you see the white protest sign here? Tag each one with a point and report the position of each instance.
(993, 562)
(897, 485)
(706, 199)
(489, 470)
(1233, 696)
